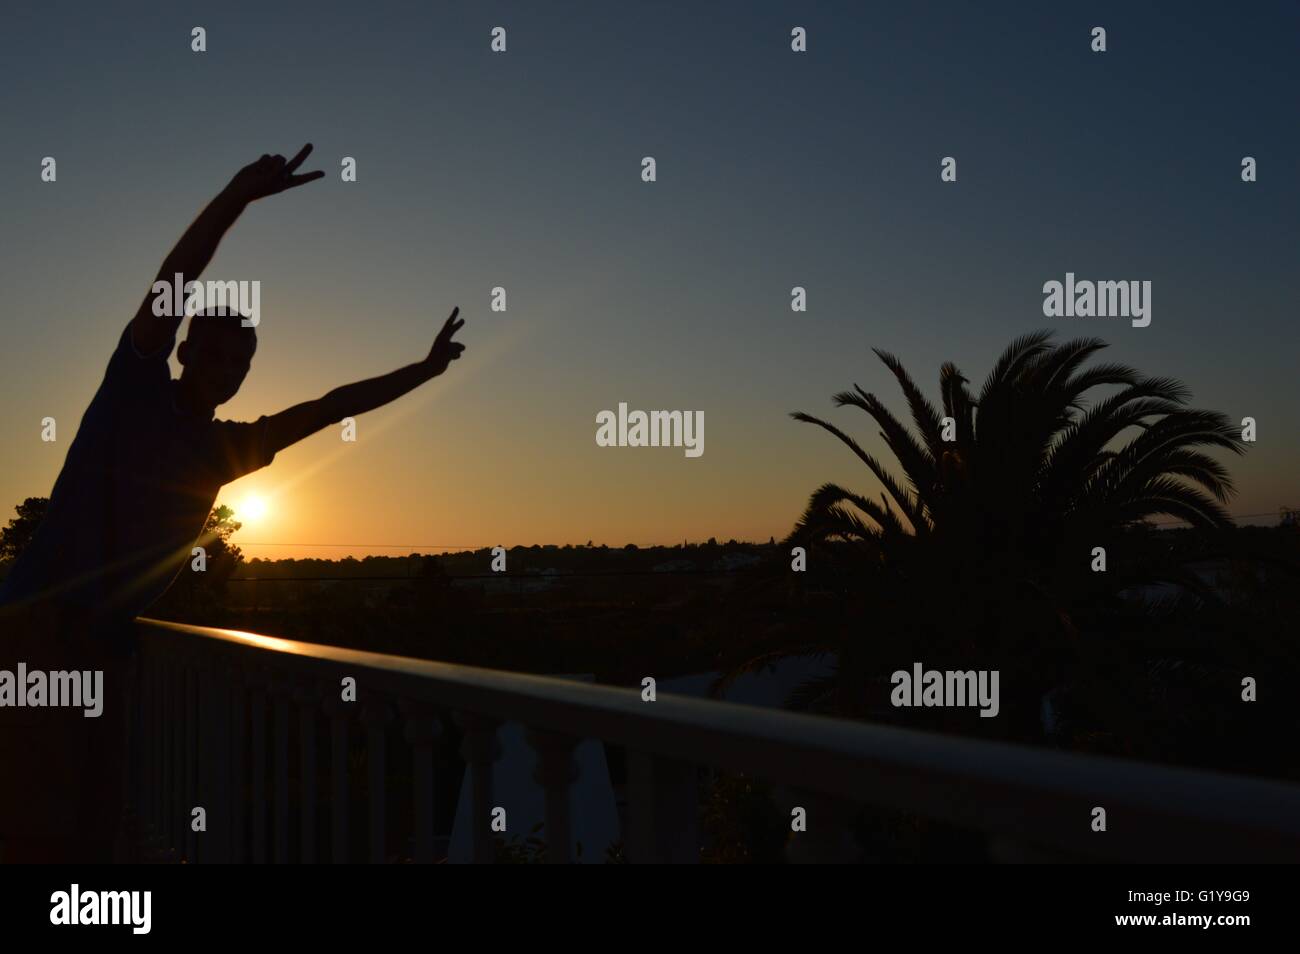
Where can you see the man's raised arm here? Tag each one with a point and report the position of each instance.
(292, 425)
(267, 176)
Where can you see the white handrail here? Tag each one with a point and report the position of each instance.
(1033, 796)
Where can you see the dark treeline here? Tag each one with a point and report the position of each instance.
(550, 558)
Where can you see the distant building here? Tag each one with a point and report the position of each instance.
(735, 561)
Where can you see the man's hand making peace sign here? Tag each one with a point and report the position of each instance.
(271, 174)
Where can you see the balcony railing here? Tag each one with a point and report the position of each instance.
(216, 711)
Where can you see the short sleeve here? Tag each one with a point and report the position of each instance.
(131, 373)
(239, 448)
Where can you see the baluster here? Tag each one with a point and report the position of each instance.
(157, 719)
(138, 762)
(258, 800)
(207, 762)
(376, 715)
(167, 730)
(162, 709)
(146, 734)
(239, 765)
(422, 731)
(280, 691)
(340, 714)
(191, 744)
(556, 772)
(205, 756)
(168, 724)
(306, 697)
(663, 810)
(221, 839)
(177, 821)
(480, 749)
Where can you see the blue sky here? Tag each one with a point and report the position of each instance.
(522, 170)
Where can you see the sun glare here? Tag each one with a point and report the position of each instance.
(253, 509)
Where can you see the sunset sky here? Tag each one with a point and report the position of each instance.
(522, 170)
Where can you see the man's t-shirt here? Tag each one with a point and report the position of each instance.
(136, 488)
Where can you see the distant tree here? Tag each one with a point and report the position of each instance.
(431, 586)
(18, 534)
(201, 597)
(223, 557)
(215, 538)
(1033, 478)
(203, 592)
(980, 550)
(432, 573)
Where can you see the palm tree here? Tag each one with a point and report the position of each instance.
(983, 548)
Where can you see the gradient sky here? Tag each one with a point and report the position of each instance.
(523, 170)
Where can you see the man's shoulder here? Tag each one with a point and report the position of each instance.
(132, 373)
(221, 425)
(238, 447)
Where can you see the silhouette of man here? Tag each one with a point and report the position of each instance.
(138, 483)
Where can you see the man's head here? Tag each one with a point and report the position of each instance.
(216, 355)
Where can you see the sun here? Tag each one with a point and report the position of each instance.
(253, 509)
